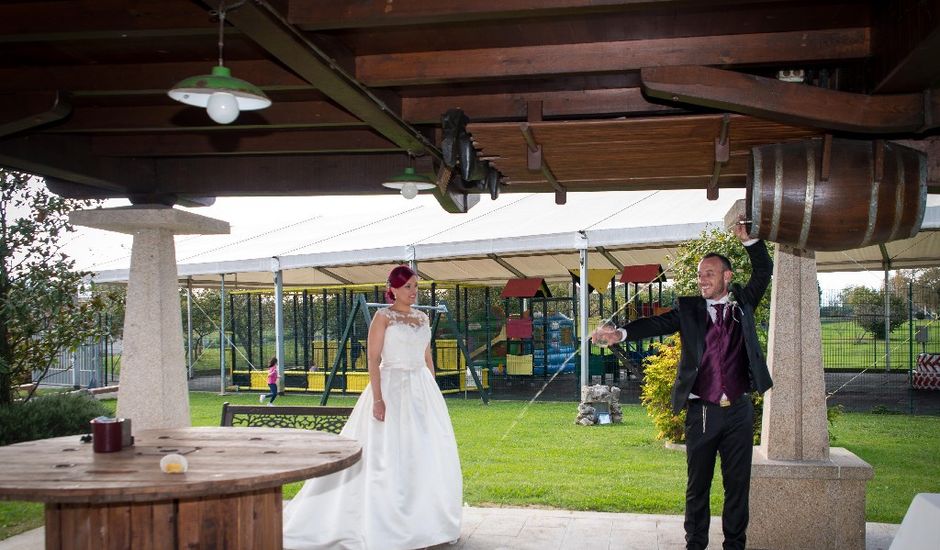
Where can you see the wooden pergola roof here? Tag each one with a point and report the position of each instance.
(561, 95)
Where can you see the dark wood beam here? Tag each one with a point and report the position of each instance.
(184, 118)
(242, 143)
(906, 45)
(19, 20)
(626, 183)
(20, 112)
(790, 103)
(272, 32)
(153, 78)
(264, 26)
(71, 159)
(340, 14)
(416, 68)
(281, 175)
(562, 104)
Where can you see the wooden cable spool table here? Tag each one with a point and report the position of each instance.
(230, 497)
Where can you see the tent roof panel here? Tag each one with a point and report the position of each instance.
(362, 239)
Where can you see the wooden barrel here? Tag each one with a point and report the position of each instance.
(875, 192)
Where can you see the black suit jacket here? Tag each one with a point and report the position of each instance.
(690, 318)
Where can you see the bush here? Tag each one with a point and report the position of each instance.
(48, 416)
(656, 394)
(659, 375)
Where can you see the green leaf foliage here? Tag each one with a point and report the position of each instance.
(52, 415)
(868, 306)
(655, 395)
(41, 309)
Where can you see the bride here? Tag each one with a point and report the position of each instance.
(406, 491)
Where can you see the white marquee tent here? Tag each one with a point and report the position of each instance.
(341, 240)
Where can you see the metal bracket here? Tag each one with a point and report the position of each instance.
(535, 162)
(722, 154)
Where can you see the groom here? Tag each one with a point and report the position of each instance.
(721, 363)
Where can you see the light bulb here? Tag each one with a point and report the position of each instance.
(222, 107)
(409, 190)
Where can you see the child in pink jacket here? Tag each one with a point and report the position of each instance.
(272, 382)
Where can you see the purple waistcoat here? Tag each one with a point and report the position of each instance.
(724, 366)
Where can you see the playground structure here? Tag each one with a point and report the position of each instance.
(326, 337)
(475, 344)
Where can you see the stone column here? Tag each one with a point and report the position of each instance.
(794, 422)
(153, 389)
(803, 494)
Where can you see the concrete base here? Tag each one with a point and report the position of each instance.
(799, 504)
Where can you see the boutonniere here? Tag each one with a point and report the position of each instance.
(735, 310)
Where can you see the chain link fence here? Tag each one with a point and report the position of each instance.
(869, 364)
(864, 370)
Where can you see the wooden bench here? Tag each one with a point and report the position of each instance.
(324, 419)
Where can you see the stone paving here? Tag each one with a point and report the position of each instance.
(541, 529)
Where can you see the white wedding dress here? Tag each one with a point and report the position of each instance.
(406, 492)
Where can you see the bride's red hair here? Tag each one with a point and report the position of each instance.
(396, 279)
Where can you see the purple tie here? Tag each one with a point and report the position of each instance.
(719, 314)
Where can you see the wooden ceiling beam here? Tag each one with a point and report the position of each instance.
(562, 104)
(261, 24)
(242, 143)
(302, 175)
(416, 68)
(62, 18)
(272, 32)
(184, 118)
(150, 78)
(71, 159)
(789, 103)
(906, 40)
(342, 14)
(21, 112)
(665, 183)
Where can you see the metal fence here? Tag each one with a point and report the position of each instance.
(90, 365)
(866, 371)
(862, 372)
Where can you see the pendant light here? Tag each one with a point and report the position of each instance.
(222, 95)
(409, 183)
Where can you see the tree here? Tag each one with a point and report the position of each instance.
(41, 311)
(868, 307)
(928, 278)
(685, 268)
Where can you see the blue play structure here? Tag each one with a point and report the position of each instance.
(558, 333)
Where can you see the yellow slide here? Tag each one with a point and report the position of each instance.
(482, 349)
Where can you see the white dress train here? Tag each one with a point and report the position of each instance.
(406, 492)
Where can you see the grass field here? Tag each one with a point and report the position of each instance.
(847, 346)
(519, 455)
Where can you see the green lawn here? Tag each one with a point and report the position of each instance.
(846, 346)
(519, 455)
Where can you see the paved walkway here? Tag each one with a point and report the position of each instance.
(539, 529)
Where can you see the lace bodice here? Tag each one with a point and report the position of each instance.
(406, 338)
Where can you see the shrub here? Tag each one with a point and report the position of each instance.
(659, 376)
(48, 416)
(832, 414)
(656, 394)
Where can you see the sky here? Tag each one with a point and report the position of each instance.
(281, 219)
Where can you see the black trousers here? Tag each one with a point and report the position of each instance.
(711, 430)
